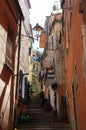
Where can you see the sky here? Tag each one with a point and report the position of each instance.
(39, 10)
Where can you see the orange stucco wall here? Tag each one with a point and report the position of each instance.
(73, 59)
(43, 40)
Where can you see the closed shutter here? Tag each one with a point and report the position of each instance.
(9, 50)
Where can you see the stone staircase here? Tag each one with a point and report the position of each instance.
(42, 119)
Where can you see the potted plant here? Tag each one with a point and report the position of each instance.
(54, 86)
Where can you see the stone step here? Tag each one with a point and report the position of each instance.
(42, 119)
(44, 127)
(63, 125)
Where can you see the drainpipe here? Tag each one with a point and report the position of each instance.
(17, 77)
(19, 46)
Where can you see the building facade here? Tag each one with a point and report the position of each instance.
(22, 62)
(10, 14)
(70, 61)
(53, 61)
(73, 38)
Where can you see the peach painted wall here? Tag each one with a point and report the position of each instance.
(74, 69)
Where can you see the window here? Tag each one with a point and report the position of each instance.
(84, 10)
(9, 50)
(29, 52)
(75, 77)
(70, 6)
(70, 2)
(84, 6)
(60, 38)
(20, 82)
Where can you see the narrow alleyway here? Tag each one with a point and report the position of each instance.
(41, 119)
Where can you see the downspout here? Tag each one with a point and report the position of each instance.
(17, 77)
(21, 17)
(19, 46)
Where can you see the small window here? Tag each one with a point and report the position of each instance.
(20, 82)
(29, 53)
(75, 77)
(60, 38)
(82, 6)
(70, 6)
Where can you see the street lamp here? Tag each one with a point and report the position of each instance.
(37, 29)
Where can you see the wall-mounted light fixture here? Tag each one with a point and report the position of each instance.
(37, 30)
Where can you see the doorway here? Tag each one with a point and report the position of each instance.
(74, 105)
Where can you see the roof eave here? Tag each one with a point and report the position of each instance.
(19, 9)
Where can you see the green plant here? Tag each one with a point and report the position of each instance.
(54, 86)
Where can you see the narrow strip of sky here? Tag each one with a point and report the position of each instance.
(39, 10)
